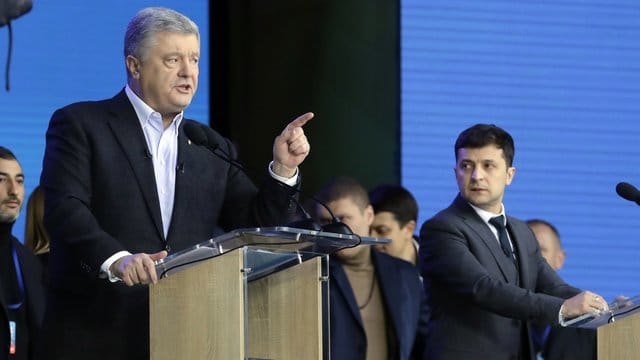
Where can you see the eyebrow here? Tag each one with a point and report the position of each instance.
(2, 173)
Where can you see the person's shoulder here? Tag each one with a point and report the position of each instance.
(400, 264)
(24, 253)
(83, 111)
(518, 225)
(444, 218)
(398, 269)
(90, 104)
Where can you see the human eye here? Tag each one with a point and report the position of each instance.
(465, 166)
(171, 60)
(490, 165)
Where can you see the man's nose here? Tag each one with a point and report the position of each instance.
(188, 68)
(11, 187)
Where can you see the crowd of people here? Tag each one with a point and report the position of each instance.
(122, 186)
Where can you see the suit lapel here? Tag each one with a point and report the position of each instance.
(186, 178)
(473, 220)
(127, 131)
(342, 283)
(388, 278)
(516, 233)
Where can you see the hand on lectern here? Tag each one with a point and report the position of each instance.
(583, 303)
(137, 268)
(621, 301)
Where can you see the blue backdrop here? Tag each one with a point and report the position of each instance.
(71, 50)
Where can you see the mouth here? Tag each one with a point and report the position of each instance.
(475, 189)
(12, 203)
(184, 88)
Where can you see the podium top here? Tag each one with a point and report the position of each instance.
(281, 240)
(617, 310)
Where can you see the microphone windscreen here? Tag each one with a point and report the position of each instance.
(211, 137)
(195, 133)
(628, 191)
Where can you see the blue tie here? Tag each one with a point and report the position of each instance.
(498, 222)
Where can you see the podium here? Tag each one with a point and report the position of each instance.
(249, 294)
(618, 329)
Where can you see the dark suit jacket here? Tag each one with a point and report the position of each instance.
(570, 344)
(405, 303)
(479, 310)
(35, 299)
(101, 198)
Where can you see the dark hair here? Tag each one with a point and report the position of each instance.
(396, 200)
(6, 154)
(344, 187)
(481, 135)
(547, 224)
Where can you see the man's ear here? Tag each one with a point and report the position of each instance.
(561, 257)
(133, 65)
(410, 228)
(369, 214)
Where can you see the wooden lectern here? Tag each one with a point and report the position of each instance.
(620, 339)
(249, 294)
(618, 329)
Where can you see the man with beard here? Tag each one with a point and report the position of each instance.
(21, 290)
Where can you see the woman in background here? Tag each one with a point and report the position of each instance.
(36, 237)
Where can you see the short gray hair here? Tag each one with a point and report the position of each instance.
(150, 21)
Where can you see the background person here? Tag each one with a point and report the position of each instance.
(396, 214)
(21, 288)
(36, 237)
(553, 342)
(377, 307)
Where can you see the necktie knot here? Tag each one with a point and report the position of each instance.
(498, 222)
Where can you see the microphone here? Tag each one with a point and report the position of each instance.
(203, 135)
(628, 192)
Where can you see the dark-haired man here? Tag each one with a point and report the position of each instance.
(482, 269)
(377, 307)
(21, 286)
(396, 214)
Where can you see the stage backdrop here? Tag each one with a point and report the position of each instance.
(563, 77)
(67, 51)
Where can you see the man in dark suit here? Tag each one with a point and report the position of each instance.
(483, 272)
(124, 187)
(553, 342)
(21, 284)
(377, 309)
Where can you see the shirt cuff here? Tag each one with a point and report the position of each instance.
(292, 181)
(561, 319)
(105, 272)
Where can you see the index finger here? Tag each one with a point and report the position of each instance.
(300, 120)
(150, 269)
